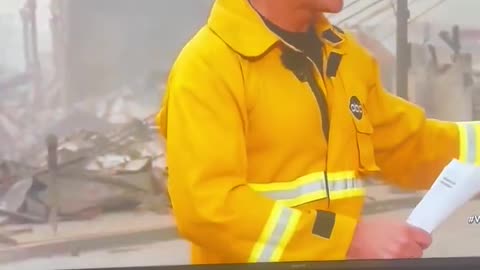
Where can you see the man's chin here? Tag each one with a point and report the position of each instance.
(333, 10)
(333, 7)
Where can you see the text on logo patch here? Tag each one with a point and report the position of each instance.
(356, 107)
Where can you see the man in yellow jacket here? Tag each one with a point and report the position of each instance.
(272, 118)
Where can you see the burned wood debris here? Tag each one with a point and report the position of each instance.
(120, 169)
(107, 155)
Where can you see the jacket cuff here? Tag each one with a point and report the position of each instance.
(335, 227)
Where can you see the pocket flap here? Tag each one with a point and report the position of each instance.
(363, 125)
(365, 145)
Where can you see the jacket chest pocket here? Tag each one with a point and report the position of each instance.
(364, 131)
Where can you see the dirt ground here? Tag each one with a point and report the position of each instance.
(455, 238)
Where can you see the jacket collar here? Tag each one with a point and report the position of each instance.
(243, 30)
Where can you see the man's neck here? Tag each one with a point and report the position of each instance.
(288, 18)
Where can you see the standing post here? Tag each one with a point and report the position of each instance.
(29, 19)
(58, 48)
(403, 55)
(52, 160)
(403, 51)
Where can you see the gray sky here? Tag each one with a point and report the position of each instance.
(451, 11)
(462, 12)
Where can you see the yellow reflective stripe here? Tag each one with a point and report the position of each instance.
(312, 187)
(344, 185)
(344, 194)
(304, 189)
(476, 150)
(340, 176)
(469, 133)
(281, 186)
(303, 199)
(287, 235)
(463, 151)
(276, 234)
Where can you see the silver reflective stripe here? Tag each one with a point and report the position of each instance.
(471, 143)
(314, 188)
(297, 192)
(277, 235)
(342, 185)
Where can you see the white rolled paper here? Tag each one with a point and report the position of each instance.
(456, 185)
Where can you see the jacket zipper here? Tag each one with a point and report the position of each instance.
(322, 107)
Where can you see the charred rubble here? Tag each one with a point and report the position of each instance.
(121, 167)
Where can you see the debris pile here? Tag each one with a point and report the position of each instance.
(108, 166)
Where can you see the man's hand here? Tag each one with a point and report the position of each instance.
(382, 239)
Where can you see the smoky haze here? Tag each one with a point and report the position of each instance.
(114, 50)
(101, 75)
(123, 49)
(111, 47)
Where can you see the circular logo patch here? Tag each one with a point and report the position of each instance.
(356, 107)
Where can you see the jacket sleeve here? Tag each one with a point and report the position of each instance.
(204, 120)
(410, 149)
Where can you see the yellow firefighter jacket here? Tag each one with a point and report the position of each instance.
(250, 170)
